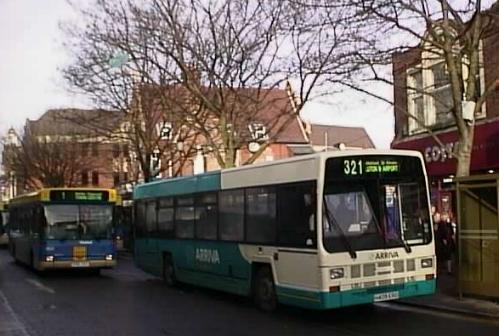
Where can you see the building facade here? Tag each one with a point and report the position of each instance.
(61, 144)
(421, 118)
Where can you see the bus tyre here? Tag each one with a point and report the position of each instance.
(264, 290)
(169, 271)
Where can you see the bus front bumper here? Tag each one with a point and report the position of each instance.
(326, 300)
(76, 264)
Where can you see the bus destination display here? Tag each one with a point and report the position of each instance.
(370, 166)
(76, 195)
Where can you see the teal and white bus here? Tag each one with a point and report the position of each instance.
(319, 231)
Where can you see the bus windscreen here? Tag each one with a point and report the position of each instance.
(375, 202)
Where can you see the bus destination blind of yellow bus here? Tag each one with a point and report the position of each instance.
(77, 195)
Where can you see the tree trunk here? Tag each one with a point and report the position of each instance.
(464, 151)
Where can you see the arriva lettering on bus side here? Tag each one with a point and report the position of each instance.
(207, 256)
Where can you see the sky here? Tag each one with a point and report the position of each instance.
(31, 55)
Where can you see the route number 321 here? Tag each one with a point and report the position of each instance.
(352, 167)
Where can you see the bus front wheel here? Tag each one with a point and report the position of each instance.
(264, 290)
(169, 271)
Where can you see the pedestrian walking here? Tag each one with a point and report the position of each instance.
(445, 242)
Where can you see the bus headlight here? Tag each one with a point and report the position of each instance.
(49, 258)
(109, 257)
(427, 263)
(336, 273)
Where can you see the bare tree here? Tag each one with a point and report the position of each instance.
(41, 161)
(446, 38)
(220, 67)
(113, 67)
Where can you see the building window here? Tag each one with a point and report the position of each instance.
(116, 178)
(165, 130)
(417, 121)
(95, 178)
(84, 178)
(126, 152)
(116, 150)
(84, 149)
(258, 132)
(125, 176)
(429, 92)
(441, 94)
(94, 149)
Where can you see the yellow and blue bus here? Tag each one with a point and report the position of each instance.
(4, 221)
(319, 231)
(63, 228)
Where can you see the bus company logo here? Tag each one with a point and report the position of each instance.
(207, 256)
(385, 255)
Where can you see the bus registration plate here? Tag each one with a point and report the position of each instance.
(80, 264)
(386, 296)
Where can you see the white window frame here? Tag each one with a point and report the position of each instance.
(429, 59)
(412, 94)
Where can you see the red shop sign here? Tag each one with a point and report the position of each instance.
(440, 160)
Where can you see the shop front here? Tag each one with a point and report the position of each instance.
(441, 163)
(478, 233)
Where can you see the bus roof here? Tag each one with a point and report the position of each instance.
(304, 167)
(43, 194)
(181, 185)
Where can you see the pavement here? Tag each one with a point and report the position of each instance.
(447, 299)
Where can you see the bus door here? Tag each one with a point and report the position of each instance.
(296, 260)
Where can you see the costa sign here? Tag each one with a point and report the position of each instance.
(441, 153)
(441, 160)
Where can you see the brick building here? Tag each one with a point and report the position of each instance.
(415, 69)
(99, 161)
(263, 119)
(105, 158)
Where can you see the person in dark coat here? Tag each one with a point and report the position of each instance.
(445, 243)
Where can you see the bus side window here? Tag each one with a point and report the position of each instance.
(296, 215)
(231, 214)
(261, 215)
(140, 219)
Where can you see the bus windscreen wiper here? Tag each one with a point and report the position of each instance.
(344, 238)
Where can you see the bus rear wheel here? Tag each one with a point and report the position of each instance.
(169, 271)
(264, 290)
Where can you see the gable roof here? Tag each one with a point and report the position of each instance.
(271, 107)
(72, 121)
(350, 136)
